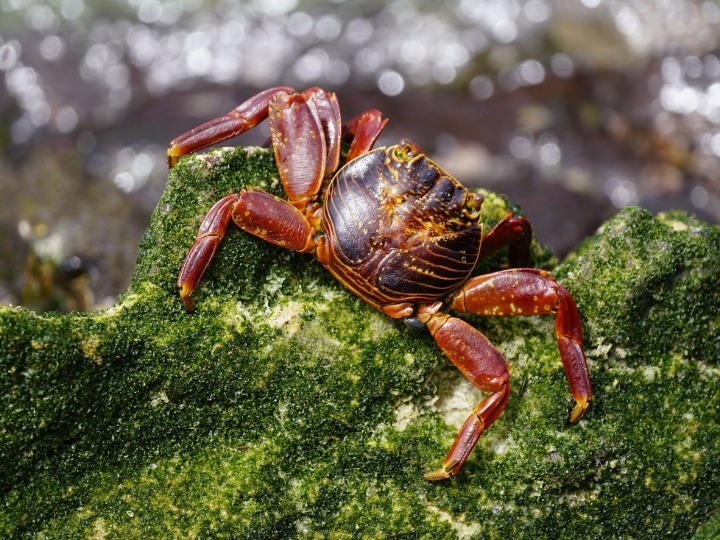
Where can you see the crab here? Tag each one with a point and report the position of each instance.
(395, 229)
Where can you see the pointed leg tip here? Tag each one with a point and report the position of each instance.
(578, 411)
(437, 475)
(187, 300)
(447, 470)
(172, 157)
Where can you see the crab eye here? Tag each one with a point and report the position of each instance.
(406, 151)
(474, 201)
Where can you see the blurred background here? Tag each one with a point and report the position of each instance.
(573, 108)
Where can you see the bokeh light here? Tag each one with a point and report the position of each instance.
(611, 102)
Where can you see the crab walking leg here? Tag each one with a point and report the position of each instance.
(483, 365)
(512, 231)
(242, 118)
(209, 235)
(274, 220)
(528, 291)
(255, 211)
(363, 130)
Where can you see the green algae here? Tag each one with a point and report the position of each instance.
(285, 407)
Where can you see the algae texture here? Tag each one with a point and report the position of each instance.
(285, 407)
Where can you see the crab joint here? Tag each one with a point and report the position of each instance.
(430, 315)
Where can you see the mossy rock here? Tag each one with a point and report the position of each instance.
(285, 407)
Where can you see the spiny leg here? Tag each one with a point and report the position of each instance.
(529, 291)
(483, 365)
(255, 211)
(240, 119)
(513, 231)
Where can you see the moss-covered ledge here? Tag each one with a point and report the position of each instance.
(285, 407)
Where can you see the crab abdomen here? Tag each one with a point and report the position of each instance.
(399, 229)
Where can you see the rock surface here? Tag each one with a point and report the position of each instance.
(285, 407)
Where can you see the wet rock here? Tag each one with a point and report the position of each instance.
(285, 407)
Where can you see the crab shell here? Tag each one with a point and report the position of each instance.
(400, 230)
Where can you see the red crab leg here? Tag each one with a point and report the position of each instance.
(209, 235)
(512, 231)
(256, 212)
(364, 130)
(529, 291)
(242, 118)
(483, 365)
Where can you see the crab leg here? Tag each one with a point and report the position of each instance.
(255, 211)
(363, 130)
(512, 231)
(210, 234)
(483, 365)
(528, 291)
(240, 119)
